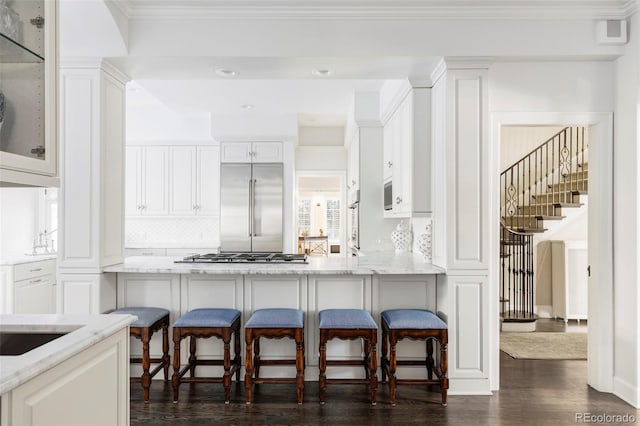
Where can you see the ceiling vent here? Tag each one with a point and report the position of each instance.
(611, 31)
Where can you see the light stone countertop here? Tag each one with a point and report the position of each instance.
(19, 259)
(83, 331)
(375, 263)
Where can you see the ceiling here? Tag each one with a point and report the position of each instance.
(282, 82)
(268, 85)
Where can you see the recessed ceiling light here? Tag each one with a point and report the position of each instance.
(246, 106)
(322, 72)
(226, 72)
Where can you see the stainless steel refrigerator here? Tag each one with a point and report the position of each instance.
(251, 206)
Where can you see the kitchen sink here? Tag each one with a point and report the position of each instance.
(17, 343)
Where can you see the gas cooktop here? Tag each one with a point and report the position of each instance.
(245, 258)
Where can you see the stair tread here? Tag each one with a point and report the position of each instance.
(527, 217)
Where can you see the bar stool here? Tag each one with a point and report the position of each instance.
(349, 324)
(415, 324)
(274, 323)
(205, 323)
(149, 321)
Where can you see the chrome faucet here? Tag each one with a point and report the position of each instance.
(42, 242)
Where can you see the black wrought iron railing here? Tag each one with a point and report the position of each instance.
(547, 177)
(516, 275)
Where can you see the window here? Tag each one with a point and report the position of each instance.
(304, 216)
(333, 219)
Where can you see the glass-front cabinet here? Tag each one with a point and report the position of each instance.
(28, 77)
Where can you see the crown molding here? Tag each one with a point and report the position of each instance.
(95, 63)
(468, 63)
(376, 9)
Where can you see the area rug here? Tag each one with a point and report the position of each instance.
(544, 345)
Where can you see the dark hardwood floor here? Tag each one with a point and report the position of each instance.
(531, 393)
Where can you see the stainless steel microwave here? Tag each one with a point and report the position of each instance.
(388, 195)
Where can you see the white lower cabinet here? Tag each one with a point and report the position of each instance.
(149, 290)
(28, 288)
(406, 292)
(90, 388)
(336, 292)
(311, 293)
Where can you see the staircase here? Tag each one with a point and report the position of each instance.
(536, 190)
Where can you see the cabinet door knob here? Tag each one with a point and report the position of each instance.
(389, 164)
(398, 200)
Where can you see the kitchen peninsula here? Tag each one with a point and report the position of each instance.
(375, 282)
(64, 369)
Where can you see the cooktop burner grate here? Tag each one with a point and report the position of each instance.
(245, 258)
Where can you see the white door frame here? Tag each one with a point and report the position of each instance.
(600, 330)
(343, 202)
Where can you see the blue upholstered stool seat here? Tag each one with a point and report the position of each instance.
(346, 319)
(146, 316)
(419, 319)
(208, 317)
(149, 321)
(276, 318)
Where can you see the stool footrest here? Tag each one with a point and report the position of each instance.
(411, 362)
(357, 362)
(415, 382)
(264, 362)
(348, 381)
(275, 380)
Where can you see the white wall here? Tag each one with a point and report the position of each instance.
(321, 136)
(551, 87)
(254, 126)
(596, 87)
(19, 220)
(159, 123)
(327, 158)
(518, 141)
(625, 222)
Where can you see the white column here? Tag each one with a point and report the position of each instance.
(91, 224)
(462, 234)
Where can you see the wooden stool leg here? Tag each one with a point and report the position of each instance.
(248, 365)
(175, 379)
(256, 357)
(192, 356)
(322, 381)
(383, 355)
(146, 377)
(444, 380)
(392, 369)
(299, 364)
(366, 362)
(226, 379)
(373, 374)
(165, 349)
(237, 361)
(430, 362)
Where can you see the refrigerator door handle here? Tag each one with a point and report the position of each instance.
(250, 206)
(253, 207)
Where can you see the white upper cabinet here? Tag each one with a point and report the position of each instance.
(251, 152)
(182, 180)
(147, 180)
(194, 180)
(208, 180)
(172, 180)
(28, 96)
(406, 155)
